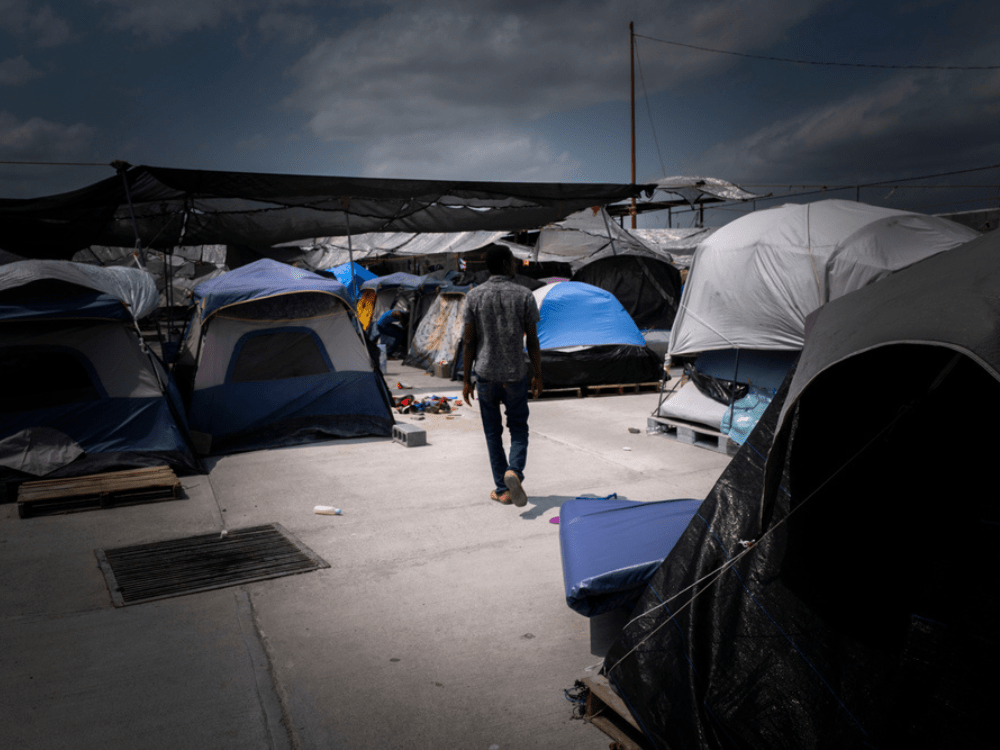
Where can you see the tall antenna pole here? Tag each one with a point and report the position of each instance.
(631, 59)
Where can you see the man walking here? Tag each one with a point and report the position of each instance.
(500, 318)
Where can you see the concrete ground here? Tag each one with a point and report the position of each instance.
(440, 623)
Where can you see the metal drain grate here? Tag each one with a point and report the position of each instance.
(200, 563)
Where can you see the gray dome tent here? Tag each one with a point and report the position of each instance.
(856, 602)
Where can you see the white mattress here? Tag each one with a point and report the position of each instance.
(691, 405)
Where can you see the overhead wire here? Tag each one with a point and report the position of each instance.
(60, 163)
(649, 111)
(822, 189)
(770, 58)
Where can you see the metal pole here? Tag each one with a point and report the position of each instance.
(120, 167)
(345, 201)
(631, 56)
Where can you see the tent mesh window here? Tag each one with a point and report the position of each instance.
(297, 306)
(278, 355)
(178, 567)
(36, 378)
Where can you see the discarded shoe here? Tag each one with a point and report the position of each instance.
(513, 482)
(503, 498)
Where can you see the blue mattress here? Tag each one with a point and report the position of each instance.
(611, 547)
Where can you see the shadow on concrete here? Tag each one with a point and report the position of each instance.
(541, 504)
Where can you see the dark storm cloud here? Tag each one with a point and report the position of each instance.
(440, 64)
(915, 121)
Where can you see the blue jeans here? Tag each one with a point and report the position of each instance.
(393, 336)
(514, 397)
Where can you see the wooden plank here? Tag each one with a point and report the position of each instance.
(623, 388)
(560, 393)
(608, 712)
(96, 483)
(129, 487)
(596, 390)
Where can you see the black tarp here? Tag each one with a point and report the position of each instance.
(866, 612)
(649, 289)
(608, 364)
(173, 207)
(481, 277)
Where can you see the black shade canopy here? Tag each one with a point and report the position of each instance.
(173, 207)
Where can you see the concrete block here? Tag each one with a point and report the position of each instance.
(686, 435)
(655, 426)
(409, 435)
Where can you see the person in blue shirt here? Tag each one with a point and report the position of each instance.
(392, 332)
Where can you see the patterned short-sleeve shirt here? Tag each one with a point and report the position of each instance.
(500, 309)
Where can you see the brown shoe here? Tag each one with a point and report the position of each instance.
(503, 499)
(513, 482)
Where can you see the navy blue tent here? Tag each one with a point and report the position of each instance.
(79, 392)
(280, 361)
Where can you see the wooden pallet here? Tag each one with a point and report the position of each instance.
(559, 393)
(609, 389)
(622, 388)
(692, 434)
(130, 487)
(608, 712)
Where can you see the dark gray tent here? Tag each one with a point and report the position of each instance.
(843, 594)
(648, 288)
(166, 208)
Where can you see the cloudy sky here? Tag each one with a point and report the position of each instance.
(512, 90)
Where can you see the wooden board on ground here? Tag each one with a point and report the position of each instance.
(129, 487)
(608, 712)
(606, 389)
(623, 388)
(559, 393)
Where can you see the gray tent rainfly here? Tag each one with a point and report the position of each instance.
(165, 208)
(837, 587)
(587, 236)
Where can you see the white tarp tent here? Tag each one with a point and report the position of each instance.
(326, 252)
(754, 280)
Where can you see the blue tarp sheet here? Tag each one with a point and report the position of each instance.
(611, 547)
(361, 275)
(766, 369)
(763, 371)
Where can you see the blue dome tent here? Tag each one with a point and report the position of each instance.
(587, 338)
(79, 392)
(280, 361)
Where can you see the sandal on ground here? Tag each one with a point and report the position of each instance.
(503, 499)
